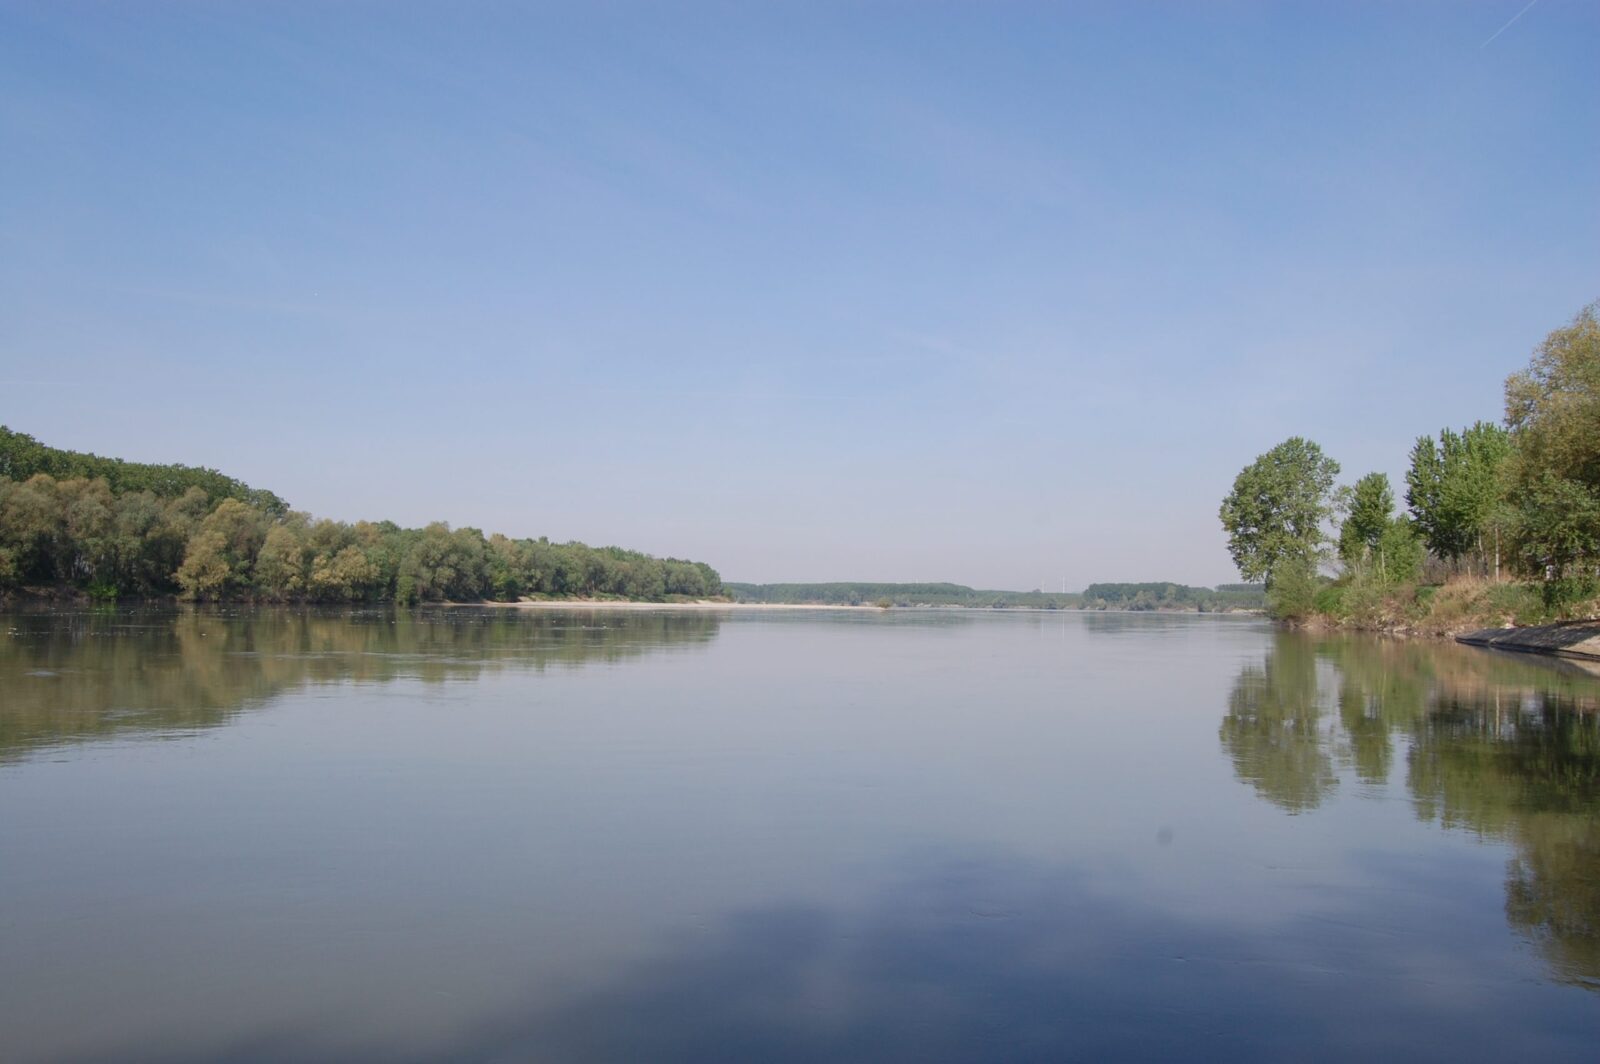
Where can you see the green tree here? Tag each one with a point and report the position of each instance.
(205, 571)
(107, 526)
(1456, 489)
(1553, 409)
(1399, 553)
(1276, 508)
(1292, 589)
(1558, 524)
(280, 567)
(1371, 502)
(344, 576)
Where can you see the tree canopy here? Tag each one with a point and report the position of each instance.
(1528, 491)
(1277, 506)
(1455, 489)
(1553, 411)
(22, 456)
(219, 539)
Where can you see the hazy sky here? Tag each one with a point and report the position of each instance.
(997, 293)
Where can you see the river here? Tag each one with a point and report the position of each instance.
(487, 834)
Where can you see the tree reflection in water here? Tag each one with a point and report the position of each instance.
(70, 676)
(1507, 747)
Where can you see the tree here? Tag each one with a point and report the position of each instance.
(344, 576)
(1371, 503)
(280, 567)
(1399, 551)
(1553, 409)
(1455, 489)
(1291, 589)
(205, 570)
(1558, 524)
(111, 527)
(1276, 508)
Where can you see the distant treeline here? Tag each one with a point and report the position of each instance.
(1155, 596)
(114, 528)
(864, 594)
(1220, 599)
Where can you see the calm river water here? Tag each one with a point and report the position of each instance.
(479, 834)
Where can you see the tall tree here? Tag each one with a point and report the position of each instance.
(1277, 506)
(1370, 503)
(1455, 489)
(1553, 409)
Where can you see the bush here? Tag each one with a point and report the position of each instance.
(1561, 595)
(1292, 596)
(1330, 601)
(1519, 603)
(1366, 599)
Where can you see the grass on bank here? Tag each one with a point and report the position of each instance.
(1459, 604)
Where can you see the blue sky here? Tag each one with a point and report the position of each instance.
(997, 293)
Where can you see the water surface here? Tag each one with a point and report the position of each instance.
(480, 834)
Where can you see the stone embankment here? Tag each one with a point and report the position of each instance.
(1572, 639)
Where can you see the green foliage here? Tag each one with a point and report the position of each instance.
(1371, 502)
(1292, 589)
(858, 594)
(1367, 598)
(1557, 524)
(1150, 596)
(1518, 602)
(1329, 601)
(22, 456)
(86, 534)
(1399, 555)
(1565, 592)
(206, 570)
(1166, 596)
(1553, 408)
(1530, 492)
(1275, 511)
(1455, 489)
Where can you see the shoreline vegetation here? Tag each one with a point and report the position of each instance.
(1154, 596)
(1501, 527)
(79, 525)
(1122, 598)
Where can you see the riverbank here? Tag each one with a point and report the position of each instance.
(1460, 606)
(1572, 639)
